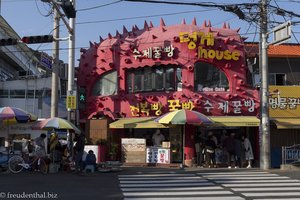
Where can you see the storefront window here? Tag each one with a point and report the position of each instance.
(162, 78)
(209, 78)
(106, 85)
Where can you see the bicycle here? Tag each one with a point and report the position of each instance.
(17, 163)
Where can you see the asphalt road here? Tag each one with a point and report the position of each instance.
(100, 186)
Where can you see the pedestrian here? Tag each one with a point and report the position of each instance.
(158, 138)
(239, 150)
(248, 151)
(90, 161)
(199, 146)
(39, 146)
(230, 150)
(210, 147)
(78, 151)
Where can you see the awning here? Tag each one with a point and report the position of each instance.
(235, 121)
(286, 123)
(141, 122)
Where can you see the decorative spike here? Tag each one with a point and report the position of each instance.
(151, 25)
(101, 39)
(204, 24)
(183, 21)
(228, 26)
(146, 25)
(194, 22)
(154, 37)
(224, 26)
(238, 30)
(209, 29)
(133, 29)
(218, 33)
(125, 31)
(136, 28)
(163, 29)
(209, 23)
(91, 44)
(162, 23)
(244, 38)
(110, 36)
(118, 34)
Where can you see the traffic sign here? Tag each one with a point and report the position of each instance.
(71, 100)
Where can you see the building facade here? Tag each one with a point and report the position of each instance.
(134, 77)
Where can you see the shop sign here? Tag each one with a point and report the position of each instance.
(216, 89)
(284, 101)
(158, 155)
(154, 52)
(201, 39)
(226, 107)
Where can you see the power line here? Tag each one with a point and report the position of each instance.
(100, 6)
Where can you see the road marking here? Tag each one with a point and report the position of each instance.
(189, 198)
(171, 189)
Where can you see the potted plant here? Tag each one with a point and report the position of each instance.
(113, 151)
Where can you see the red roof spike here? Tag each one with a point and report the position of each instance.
(183, 21)
(244, 38)
(154, 37)
(101, 39)
(209, 23)
(224, 26)
(91, 44)
(163, 29)
(162, 23)
(238, 30)
(125, 31)
(146, 25)
(118, 34)
(194, 22)
(151, 25)
(109, 36)
(136, 27)
(204, 24)
(228, 26)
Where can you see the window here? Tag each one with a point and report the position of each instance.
(17, 93)
(209, 78)
(4, 93)
(106, 85)
(277, 79)
(147, 79)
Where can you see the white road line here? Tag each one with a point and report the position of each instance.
(267, 189)
(279, 199)
(273, 194)
(167, 184)
(257, 181)
(158, 175)
(171, 189)
(159, 178)
(175, 193)
(232, 173)
(190, 198)
(241, 175)
(248, 178)
(261, 184)
(166, 181)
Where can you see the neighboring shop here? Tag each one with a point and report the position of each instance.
(285, 121)
(134, 77)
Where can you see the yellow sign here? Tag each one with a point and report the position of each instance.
(284, 101)
(208, 40)
(71, 102)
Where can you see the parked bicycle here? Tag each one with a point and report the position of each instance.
(17, 163)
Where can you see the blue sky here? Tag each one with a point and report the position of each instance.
(29, 17)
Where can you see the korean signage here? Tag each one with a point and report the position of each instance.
(71, 100)
(158, 155)
(154, 52)
(200, 39)
(284, 101)
(235, 107)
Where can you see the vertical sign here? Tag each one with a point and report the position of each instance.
(71, 100)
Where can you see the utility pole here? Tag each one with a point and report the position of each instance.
(265, 120)
(55, 65)
(71, 65)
